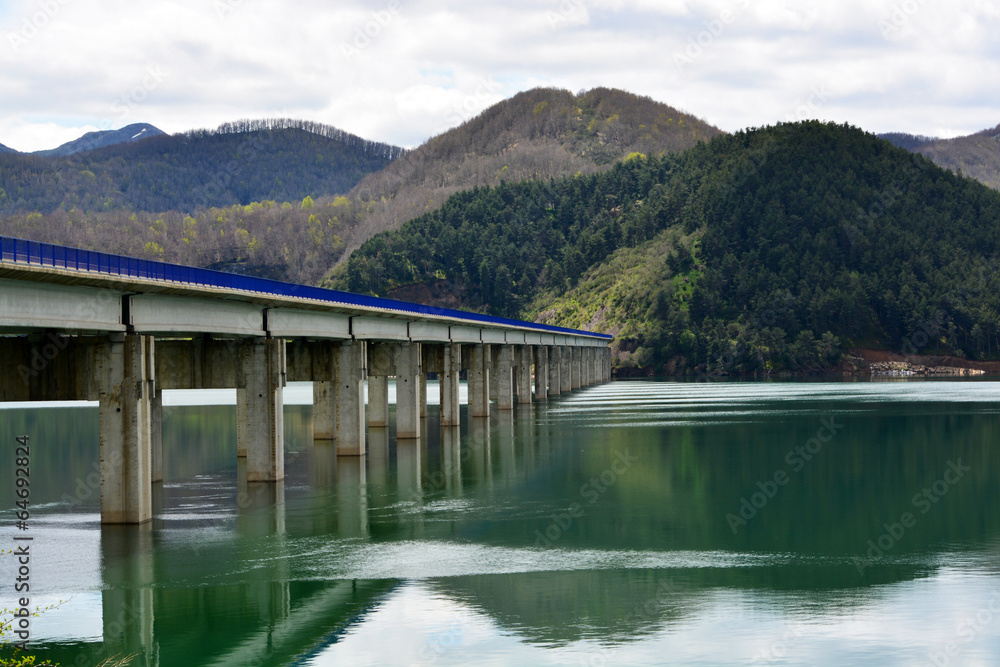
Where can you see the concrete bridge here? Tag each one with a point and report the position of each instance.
(84, 325)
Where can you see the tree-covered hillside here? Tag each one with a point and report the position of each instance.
(766, 250)
(538, 134)
(239, 163)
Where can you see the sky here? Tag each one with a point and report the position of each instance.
(402, 71)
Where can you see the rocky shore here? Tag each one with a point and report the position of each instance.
(903, 368)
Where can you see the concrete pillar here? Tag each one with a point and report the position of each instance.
(555, 363)
(378, 401)
(575, 359)
(504, 381)
(350, 373)
(479, 380)
(125, 372)
(261, 374)
(524, 374)
(156, 435)
(598, 362)
(408, 371)
(450, 385)
(586, 367)
(566, 369)
(423, 392)
(324, 415)
(541, 373)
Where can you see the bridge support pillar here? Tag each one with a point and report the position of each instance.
(555, 363)
(261, 375)
(378, 401)
(450, 384)
(408, 371)
(541, 373)
(422, 380)
(479, 380)
(586, 367)
(324, 415)
(575, 358)
(504, 382)
(126, 374)
(156, 435)
(524, 374)
(565, 369)
(350, 398)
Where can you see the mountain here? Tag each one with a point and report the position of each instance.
(4, 149)
(539, 134)
(976, 155)
(239, 163)
(93, 140)
(772, 249)
(907, 141)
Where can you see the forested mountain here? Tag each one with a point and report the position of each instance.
(976, 155)
(4, 149)
(239, 163)
(539, 134)
(770, 249)
(101, 139)
(907, 141)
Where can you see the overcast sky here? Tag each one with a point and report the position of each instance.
(403, 70)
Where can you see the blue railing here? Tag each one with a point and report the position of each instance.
(77, 259)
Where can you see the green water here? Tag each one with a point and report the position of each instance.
(634, 523)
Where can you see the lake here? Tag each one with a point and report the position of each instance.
(631, 523)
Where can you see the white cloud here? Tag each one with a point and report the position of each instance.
(914, 66)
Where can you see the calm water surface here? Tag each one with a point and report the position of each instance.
(634, 523)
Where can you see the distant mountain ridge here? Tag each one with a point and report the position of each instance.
(4, 149)
(101, 139)
(906, 141)
(238, 163)
(976, 155)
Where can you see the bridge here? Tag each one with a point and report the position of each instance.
(84, 325)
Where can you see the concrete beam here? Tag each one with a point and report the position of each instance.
(28, 306)
(467, 335)
(429, 332)
(291, 323)
(375, 328)
(514, 337)
(494, 336)
(532, 338)
(178, 315)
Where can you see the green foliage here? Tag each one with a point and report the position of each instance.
(765, 251)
